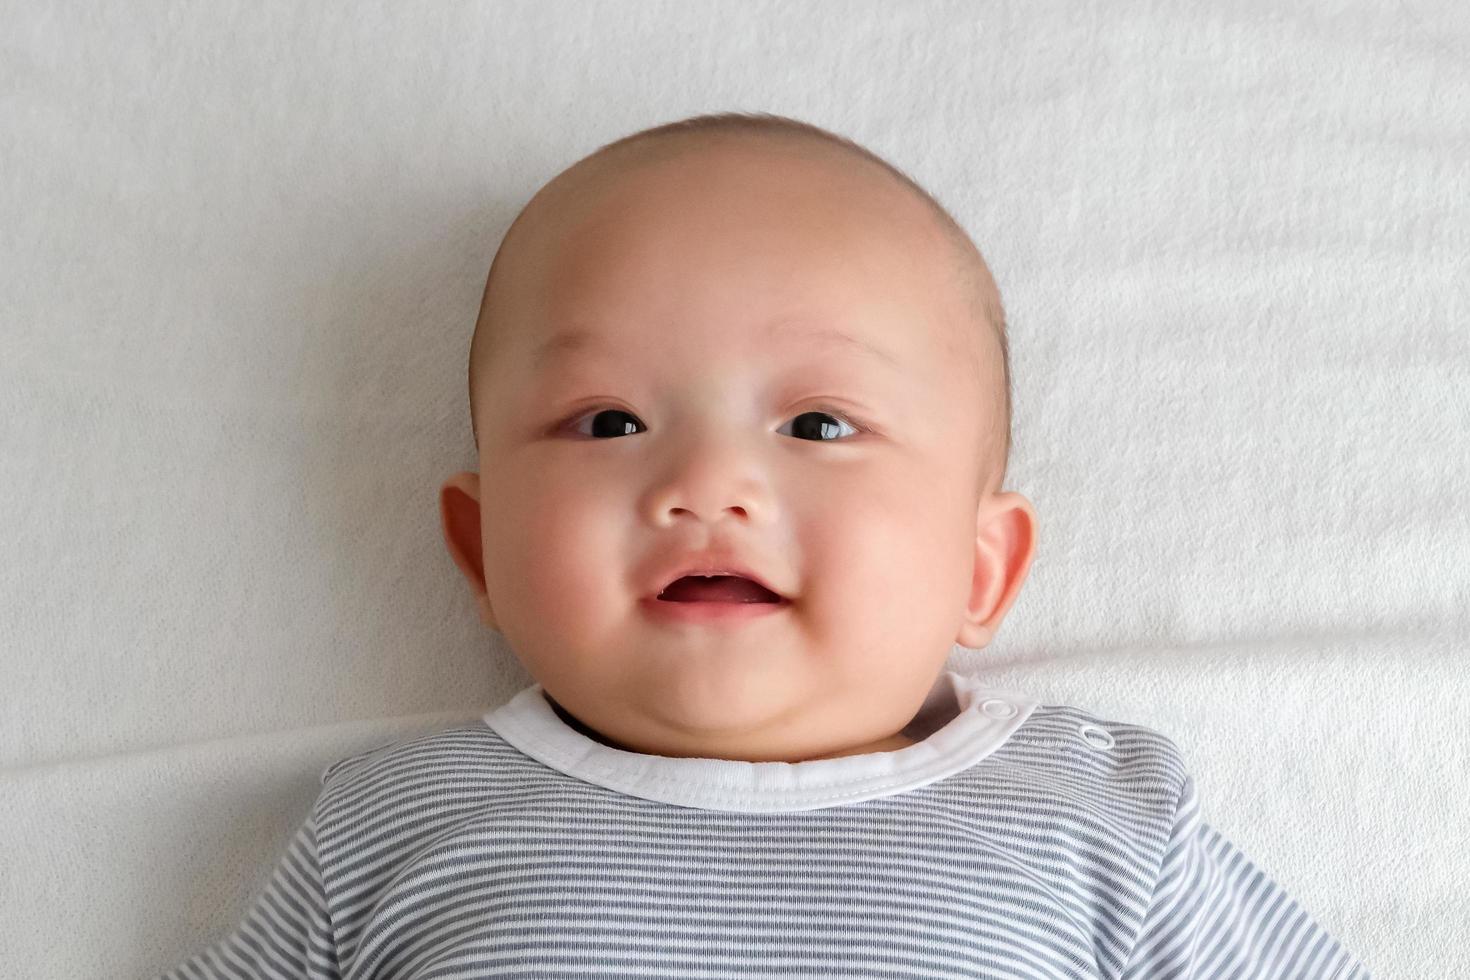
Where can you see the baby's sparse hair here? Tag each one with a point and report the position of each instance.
(970, 268)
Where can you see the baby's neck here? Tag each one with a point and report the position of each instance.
(890, 744)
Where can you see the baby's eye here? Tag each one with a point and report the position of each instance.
(605, 423)
(808, 425)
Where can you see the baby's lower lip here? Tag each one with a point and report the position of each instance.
(715, 613)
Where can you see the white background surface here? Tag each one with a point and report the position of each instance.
(243, 247)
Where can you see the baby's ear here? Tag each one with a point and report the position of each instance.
(974, 636)
(459, 514)
(1005, 541)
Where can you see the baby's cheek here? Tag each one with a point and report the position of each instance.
(555, 615)
(571, 556)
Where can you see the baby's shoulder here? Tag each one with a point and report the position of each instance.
(392, 779)
(463, 743)
(1119, 760)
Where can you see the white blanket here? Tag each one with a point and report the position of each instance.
(243, 247)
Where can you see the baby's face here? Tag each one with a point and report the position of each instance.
(739, 352)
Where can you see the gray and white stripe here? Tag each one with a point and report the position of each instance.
(454, 855)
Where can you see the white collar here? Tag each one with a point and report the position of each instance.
(980, 719)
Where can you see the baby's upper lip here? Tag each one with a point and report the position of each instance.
(707, 563)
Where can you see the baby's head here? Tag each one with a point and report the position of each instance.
(739, 341)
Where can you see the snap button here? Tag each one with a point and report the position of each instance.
(1095, 737)
(996, 708)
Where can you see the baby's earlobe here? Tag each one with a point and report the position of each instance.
(487, 612)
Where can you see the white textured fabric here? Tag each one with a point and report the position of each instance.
(243, 246)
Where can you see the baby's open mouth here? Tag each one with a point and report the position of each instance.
(716, 588)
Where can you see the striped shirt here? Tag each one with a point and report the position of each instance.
(1011, 840)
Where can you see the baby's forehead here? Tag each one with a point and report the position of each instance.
(871, 277)
(599, 225)
(765, 179)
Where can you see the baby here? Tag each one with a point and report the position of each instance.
(743, 755)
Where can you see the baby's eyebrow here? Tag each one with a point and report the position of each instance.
(575, 341)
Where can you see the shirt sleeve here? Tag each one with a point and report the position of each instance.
(1214, 914)
(286, 932)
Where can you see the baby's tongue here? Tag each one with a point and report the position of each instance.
(717, 588)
